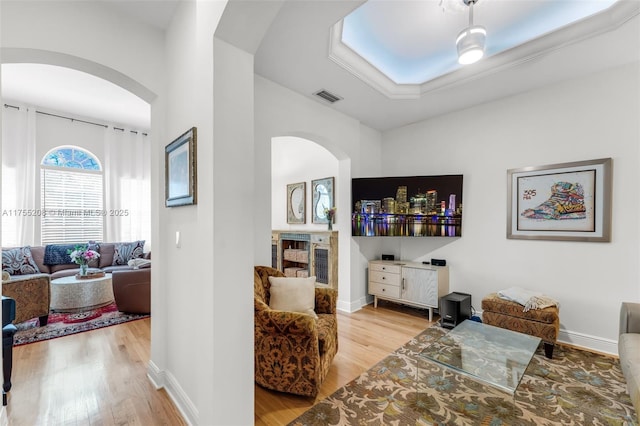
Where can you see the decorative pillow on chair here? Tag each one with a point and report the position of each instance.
(293, 294)
(19, 261)
(124, 252)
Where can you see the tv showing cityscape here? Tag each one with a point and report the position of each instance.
(407, 206)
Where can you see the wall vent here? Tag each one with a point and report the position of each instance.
(327, 96)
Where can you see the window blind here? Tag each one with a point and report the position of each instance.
(72, 206)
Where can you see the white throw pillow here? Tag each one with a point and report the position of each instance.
(293, 294)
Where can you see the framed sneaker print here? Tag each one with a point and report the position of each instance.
(568, 201)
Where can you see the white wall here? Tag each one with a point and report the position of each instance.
(299, 160)
(176, 76)
(586, 118)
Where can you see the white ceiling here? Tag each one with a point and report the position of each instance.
(295, 53)
(414, 41)
(64, 90)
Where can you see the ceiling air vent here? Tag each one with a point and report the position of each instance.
(327, 96)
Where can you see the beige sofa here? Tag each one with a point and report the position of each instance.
(629, 350)
(32, 292)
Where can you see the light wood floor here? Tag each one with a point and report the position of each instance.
(364, 338)
(99, 377)
(93, 378)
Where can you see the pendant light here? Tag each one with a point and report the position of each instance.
(470, 41)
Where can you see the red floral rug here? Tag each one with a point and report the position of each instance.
(64, 324)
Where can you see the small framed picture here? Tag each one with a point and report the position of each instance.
(296, 202)
(180, 170)
(322, 190)
(568, 201)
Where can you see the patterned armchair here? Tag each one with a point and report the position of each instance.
(293, 351)
(32, 294)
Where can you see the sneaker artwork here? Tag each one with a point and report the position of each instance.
(566, 202)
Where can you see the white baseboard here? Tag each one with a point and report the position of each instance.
(163, 379)
(586, 341)
(351, 307)
(4, 419)
(155, 375)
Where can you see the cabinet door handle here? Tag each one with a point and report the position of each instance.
(403, 283)
(384, 269)
(384, 278)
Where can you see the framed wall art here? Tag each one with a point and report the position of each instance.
(296, 202)
(322, 196)
(180, 170)
(568, 201)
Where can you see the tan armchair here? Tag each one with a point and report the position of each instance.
(293, 351)
(32, 294)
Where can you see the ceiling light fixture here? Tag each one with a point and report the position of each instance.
(470, 41)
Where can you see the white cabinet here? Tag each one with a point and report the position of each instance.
(413, 284)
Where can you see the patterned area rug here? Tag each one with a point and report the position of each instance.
(64, 324)
(574, 388)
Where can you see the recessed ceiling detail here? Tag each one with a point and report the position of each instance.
(406, 48)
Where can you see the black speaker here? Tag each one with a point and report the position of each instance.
(388, 257)
(454, 308)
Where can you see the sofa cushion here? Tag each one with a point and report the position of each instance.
(293, 294)
(38, 256)
(124, 252)
(19, 261)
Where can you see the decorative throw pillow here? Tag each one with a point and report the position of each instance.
(19, 261)
(293, 294)
(124, 252)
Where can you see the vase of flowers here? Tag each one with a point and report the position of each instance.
(82, 255)
(330, 214)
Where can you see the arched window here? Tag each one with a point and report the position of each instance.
(71, 196)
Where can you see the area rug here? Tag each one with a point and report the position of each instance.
(574, 388)
(64, 324)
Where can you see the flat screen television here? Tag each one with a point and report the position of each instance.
(407, 206)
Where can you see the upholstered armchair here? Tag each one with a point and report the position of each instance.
(132, 290)
(32, 294)
(293, 351)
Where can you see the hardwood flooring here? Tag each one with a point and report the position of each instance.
(99, 377)
(364, 338)
(93, 378)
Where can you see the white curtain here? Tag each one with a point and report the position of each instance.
(19, 177)
(127, 170)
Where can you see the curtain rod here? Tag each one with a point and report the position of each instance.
(72, 119)
(76, 119)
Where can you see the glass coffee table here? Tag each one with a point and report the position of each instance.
(489, 355)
